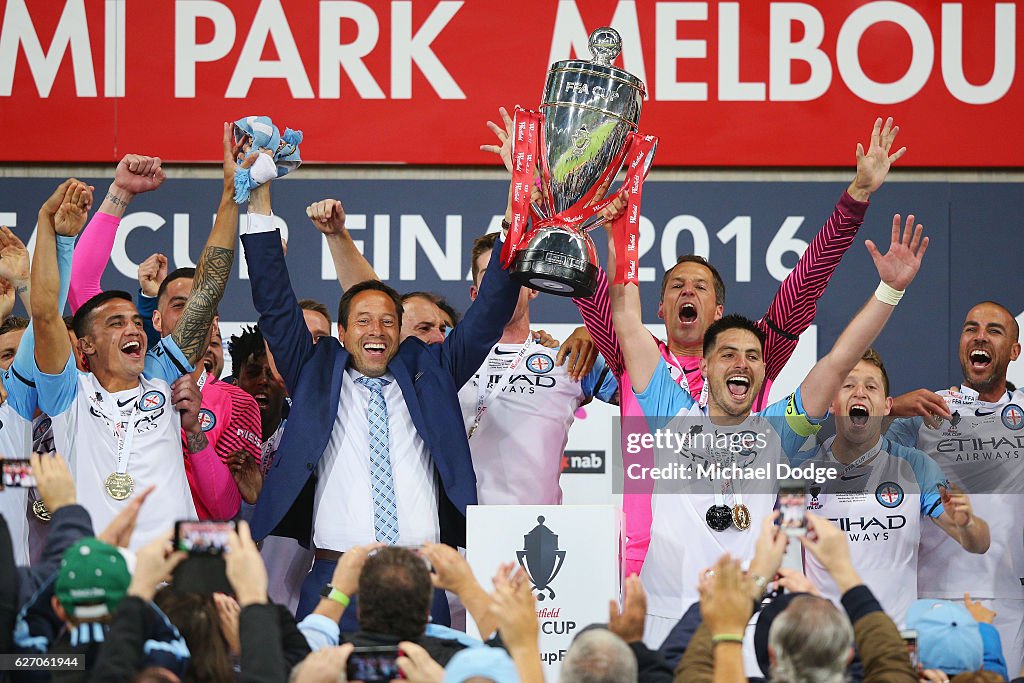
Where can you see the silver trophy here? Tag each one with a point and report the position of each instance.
(590, 108)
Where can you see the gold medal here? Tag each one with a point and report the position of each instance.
(119, 486)
(741, 517)
(40, 511)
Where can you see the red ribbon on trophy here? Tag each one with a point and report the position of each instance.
(639, 153)
(626, 228)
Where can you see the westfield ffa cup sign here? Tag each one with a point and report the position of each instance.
(570, 554)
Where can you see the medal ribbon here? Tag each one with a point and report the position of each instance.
(484, 397)
(125, 434)
(860, 460)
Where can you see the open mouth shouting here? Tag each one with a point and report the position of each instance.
(132, 349)
(738, 386)
(979, 359)
(688, 314)
(375, 351)
(859, 414)
(262, 400)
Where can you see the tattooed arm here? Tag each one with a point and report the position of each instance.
(213, 268)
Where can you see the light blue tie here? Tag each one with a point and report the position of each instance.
(385, 508)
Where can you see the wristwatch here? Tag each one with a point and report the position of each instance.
(331, 593)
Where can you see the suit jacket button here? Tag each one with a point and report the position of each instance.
(309, 466)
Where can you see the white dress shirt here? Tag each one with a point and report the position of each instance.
(343, 510)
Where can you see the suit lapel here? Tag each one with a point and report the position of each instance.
(405, 382)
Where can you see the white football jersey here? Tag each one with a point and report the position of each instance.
(879, 505)
(518, 444)
(981, 451)
(15, 441)
(682, 543)
(87, 437)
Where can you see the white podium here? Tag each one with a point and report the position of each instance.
(570, 552)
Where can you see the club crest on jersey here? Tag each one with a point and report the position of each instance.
(151, 400)
(889, 494)
(540, 363)
(207, 420)
(1013, 417)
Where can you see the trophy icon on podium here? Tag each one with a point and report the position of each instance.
(541, 559)
(587, 132)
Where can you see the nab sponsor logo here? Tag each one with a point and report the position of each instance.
(583, 462)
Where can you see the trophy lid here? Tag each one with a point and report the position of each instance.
(605, 45)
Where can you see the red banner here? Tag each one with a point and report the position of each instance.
(374, 81)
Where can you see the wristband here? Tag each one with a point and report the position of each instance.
(888, 295)
(329, 592)
(727, 638)
(505, 225)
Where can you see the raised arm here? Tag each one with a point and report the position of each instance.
(328, 216)
(214, 265)
(639, 349)
(135, 174)
(795, 304)
(53, 346)
(897, 269)
(281, 320)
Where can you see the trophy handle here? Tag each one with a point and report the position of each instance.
(520, 555)
(560, 556)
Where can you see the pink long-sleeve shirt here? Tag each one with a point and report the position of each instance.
(789, 315)
(231, 421)
(92, 253)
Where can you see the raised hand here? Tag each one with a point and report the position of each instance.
(505, 137)
(119, 532)
(53, 202)
(53, 480)
(136, 174)
(900, 264)
(6, 299)
(244, 567)
(328, 216)
(69, 220)
(14, 259)
(725, 603)
(152, 272)
(629, 624)
(873, 165)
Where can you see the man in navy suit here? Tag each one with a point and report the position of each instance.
(375, 449)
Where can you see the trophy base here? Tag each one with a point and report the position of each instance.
(555, 273)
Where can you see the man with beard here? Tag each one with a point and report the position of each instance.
(693, 296)
(229, 415)
(979, 445)
(883, 491)
(689, 532)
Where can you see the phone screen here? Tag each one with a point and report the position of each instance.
(370, 664)
(793, 508)
(910, 638)
(202, 538)
(16, 474)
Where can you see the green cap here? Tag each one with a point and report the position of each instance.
(92, 580)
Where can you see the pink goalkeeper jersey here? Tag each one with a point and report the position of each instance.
(231, 422)
(790, 313)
